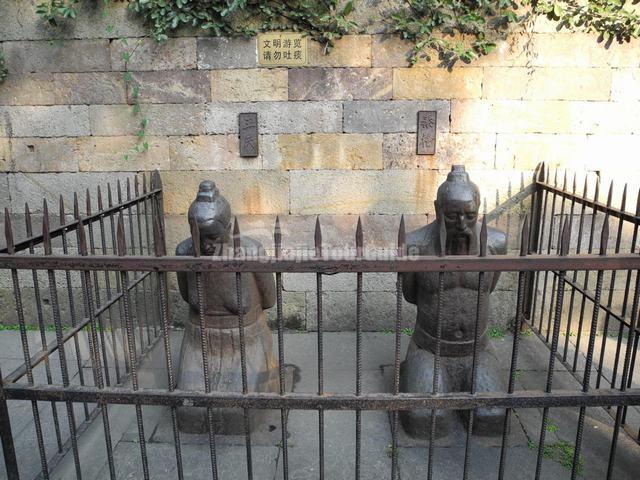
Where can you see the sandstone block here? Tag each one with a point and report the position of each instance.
(356, 192)
(512, 116)
(221, 52)
(393, 116)
(44, 155)
(165, 119)
(605, 117)
(581, 50)
(349, 51)
(249, 85)
(390, 51)
(219, 152)
(19, 22)
(5, 155)
(378, 312)
(547, 83)
(50, 121)
(471, 150)
(29, 89)
(147, 54)
(89, 88)
(277, 117)
(625, 85)
(525, 151)
(330, 151)
(432, 83)
(58, 56)
(248, 191)
(188, 86)
(339, 84)
(100, 154)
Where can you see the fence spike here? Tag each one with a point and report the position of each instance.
(119, 191)
(402, 236)
(88, 202)
(596, 194)
(610, 195)
(144, 183)
(443, 238)
(555, 177)
(46, 228)
(8, 232)
(359, 238)
(564, 180)
(128, 189)
(122, 246)
(100, 202)
(136, 186)
(638, 204)
(585, 189)
(76, 206)
(317, 237)
(156, 180)
(575, 182)
(522, 181)
(82, 239)
(277, 237)
(61, 211)
(236, 237)
(109, 195)
(566, 237)
(524, 237)
(623, 201)
(541, 176)
(27, 220)
(158, 241)
(483, 237)
(604, 236)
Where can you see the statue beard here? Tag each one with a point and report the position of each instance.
(459, 244)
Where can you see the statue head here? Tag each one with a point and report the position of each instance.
(457, 205)
(212, 213)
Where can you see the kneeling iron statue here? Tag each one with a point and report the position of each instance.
(219, 301)
(454, 297)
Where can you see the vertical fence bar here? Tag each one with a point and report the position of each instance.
(277, 239)
(114, 248)
(136, 191)
(396, 357)
(590, 351)
(204, 341)
(516, 342)
(532, 245)
(359, 254)
(436, 361)
(164, 310)
(476, 341)
(53, 292)
(25, 353)
(539, 242)
(41, 327)
(565, 352)
(318, 251)
(98, 380)
(546, 273)
(623, 203)
(72, 308)
(148, 282)
(107, 282)
(565, 234)
(131, 346)
(237, 252)
(92, 247)
(583, 303)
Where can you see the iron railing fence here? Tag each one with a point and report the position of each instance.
(79, 309)
(541, 273)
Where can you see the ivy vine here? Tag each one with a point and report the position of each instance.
(132, 89)
(4, 71)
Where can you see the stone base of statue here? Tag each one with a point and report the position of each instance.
(225, 369)
(416, 376)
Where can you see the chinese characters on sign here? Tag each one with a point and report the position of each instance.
(281, 49)
(248, 127)
(426, 144)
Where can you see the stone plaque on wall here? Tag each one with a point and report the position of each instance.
(282, 49)
(248, 128)
(426, 141)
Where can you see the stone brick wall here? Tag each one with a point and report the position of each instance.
(337, 137)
